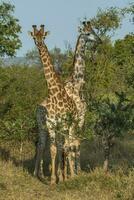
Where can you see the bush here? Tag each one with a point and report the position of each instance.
(21, 90)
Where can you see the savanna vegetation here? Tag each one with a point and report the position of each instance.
(107, 136)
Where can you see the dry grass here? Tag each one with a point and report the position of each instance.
(17, 182)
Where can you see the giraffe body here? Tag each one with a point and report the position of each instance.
(56, 108)
(75, 83)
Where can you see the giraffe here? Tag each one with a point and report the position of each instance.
(75, 83)
(52, 110)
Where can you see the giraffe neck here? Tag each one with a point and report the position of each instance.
(74, 84)
(79, 61)
(50, 74)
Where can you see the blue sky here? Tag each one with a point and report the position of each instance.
(61, 18)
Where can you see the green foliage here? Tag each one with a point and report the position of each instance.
(114, 118)
(110, 113)
(106, 20)
(21, 90)
(58, 58)
(109, 68)
(33, 58)
(9, 30)
(110, 118)
(62, 61)
(109, 71)
(100, 70)
(124, 59)
(67, 68)
(126, 45)
(128, 10)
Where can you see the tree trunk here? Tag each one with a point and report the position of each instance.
(106, 165)
(106, 145)
(21, 150)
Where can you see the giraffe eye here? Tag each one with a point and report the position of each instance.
(84, 22)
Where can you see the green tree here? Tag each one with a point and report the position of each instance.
(101, 70)
(21, 90)
(124, 60)
(58, 59)
(107, 21)
(62, 61)
(129, 10)
(9, 30)
(33, 59)
(114, 119)
(109, 69)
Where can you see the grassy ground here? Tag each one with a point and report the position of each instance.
(17, 182)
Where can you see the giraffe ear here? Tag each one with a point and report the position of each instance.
(30, 33)
(79, 29)
(46, 33)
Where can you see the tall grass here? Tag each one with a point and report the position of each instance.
(18, 183)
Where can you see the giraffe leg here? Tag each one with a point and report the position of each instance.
(53, 152)
(60, 163)
(65, 163)
(71, 156)
(77, 160)
(71, 153)
(38, 171)
(41, 120)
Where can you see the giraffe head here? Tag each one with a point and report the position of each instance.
(88, 33)
(39, 35)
